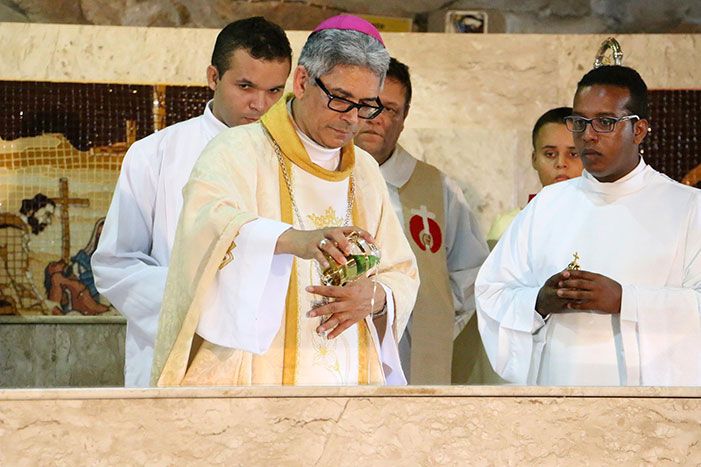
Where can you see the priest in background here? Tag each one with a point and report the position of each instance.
(596, 282)
(268, 207)
(250, 65)
(447, 242)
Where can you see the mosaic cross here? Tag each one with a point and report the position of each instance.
(64, 201)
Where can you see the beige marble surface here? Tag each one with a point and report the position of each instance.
(349, 426)
(476, 97)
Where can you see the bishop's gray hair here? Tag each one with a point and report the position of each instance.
(329, 48)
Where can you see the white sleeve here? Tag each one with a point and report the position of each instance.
(661, 326)
(506, 293)
(245, 305)
(466, 250)
(388, 349)
(125, 272)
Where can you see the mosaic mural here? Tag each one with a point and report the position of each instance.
(61, 147)
(674, 144)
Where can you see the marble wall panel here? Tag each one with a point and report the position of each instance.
(476, 97)
(485, 162)
(664, 61)
(298, 426)
(478, 80)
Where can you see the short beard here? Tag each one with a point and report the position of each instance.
(36, 225)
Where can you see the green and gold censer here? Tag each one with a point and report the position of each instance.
(363, 259)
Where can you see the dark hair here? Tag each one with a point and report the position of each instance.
(621, 76)
(400, 72)
(556, 115)
(30, 206)
(259, 37)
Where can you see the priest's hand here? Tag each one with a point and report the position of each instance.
(548, 300)
(586, 290)
(351, 304)
(312, 244)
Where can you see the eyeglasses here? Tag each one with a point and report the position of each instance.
(600, 124)
(341, 105)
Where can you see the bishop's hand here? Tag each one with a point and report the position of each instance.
(313, 244)
(351, 304)
(584, 290)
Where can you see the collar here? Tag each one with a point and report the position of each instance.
(319, 154)
(279, 124)
(397, 169)
(630, 183)
(212, 125)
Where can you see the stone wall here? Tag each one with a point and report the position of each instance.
(50, 351)
(475, 96)
(512, 16)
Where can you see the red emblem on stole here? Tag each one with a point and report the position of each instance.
(424, 229)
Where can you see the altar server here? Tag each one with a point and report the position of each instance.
(250, 65)
(597, 281)
(554, 158)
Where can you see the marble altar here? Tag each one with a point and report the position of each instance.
(349, 426)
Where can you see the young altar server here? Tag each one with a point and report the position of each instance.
(597, 281)
(554, 159)
(250, 65)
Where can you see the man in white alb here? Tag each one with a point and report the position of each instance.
(250, 64)
(597, 281)
(446, 240)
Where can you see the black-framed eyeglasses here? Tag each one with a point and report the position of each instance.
(578, 124)
(342, 105)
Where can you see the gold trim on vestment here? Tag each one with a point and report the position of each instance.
(280, 126)
(278, 123)
(363, 338)
(289, 367)
(363, 331)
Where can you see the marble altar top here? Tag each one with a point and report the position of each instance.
(352, 392)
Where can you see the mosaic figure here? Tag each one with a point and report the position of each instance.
(17, 289)
(75, 291)
(81, 260)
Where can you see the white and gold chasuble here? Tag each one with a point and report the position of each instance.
(323, 361)
(234, 312)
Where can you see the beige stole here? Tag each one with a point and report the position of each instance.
(433, 317)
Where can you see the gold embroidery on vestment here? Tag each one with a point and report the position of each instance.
(327, 219)
(229, 256)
